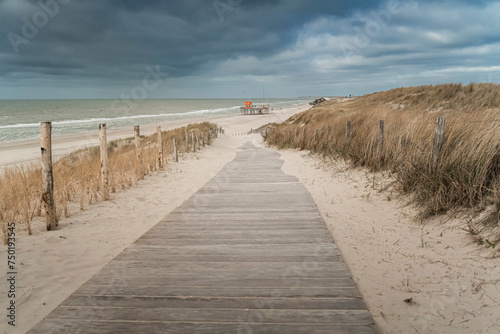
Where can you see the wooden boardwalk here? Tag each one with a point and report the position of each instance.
(248, 253)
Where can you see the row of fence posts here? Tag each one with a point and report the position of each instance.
(436, 147)
(47, 171)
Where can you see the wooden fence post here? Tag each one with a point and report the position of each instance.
(348, 129)
(315, 135)
(176, 152)
(138, 150)
(438, 140)
(192, 139)
(48, 177)
(104, 162)
(380, 136)
(160, 147)
(202, 139)
(187, 140)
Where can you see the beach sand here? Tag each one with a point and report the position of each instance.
(415, 277)
(450, 287)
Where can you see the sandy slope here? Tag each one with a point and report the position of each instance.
(449, 285)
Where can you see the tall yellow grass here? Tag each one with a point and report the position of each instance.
(468, 170)
(77, 176)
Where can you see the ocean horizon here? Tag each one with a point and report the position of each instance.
(20, 119)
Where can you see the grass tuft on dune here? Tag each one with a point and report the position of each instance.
(77, 176)
(467, 174)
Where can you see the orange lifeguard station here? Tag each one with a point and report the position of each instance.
(253, 109)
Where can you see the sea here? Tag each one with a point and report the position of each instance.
(20, 119)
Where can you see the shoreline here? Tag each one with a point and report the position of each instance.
(19, 152)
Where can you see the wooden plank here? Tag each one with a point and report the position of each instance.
(154, 255)
(235, 234)
(262, 250)
(268, 272)
(187, 302)
(225, 282)
(290, 316)
(209, 242)
(171, 291)
(241, 267)
(112, 327)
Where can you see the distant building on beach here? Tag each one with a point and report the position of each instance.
(255, 108)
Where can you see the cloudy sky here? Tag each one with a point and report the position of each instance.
(239, 48)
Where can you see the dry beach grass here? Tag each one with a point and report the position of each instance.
(467, 174)
(77, 180)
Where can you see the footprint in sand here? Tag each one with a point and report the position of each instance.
(54, 240)
(24, 293)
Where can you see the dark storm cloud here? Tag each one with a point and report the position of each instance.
(108, 44)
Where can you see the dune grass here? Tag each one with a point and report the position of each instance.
(77, 180)
(467, 174)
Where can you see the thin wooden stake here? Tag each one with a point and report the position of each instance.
(138, 151)
(48, 177)
(380, 136)
(315, 135)
(438, 140)
(348, 130)
(187, 140)
(202, 139)
(104, 162)
(192, 139)
(176, 151)
(160, 147)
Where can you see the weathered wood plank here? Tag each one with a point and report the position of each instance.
(225, 282)
(268, 272)
(249, 241)
(112, 327)
(262, 250)
(187, 302)
(154, 255)
(172, 291)
(170, 267)
(357, 317)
